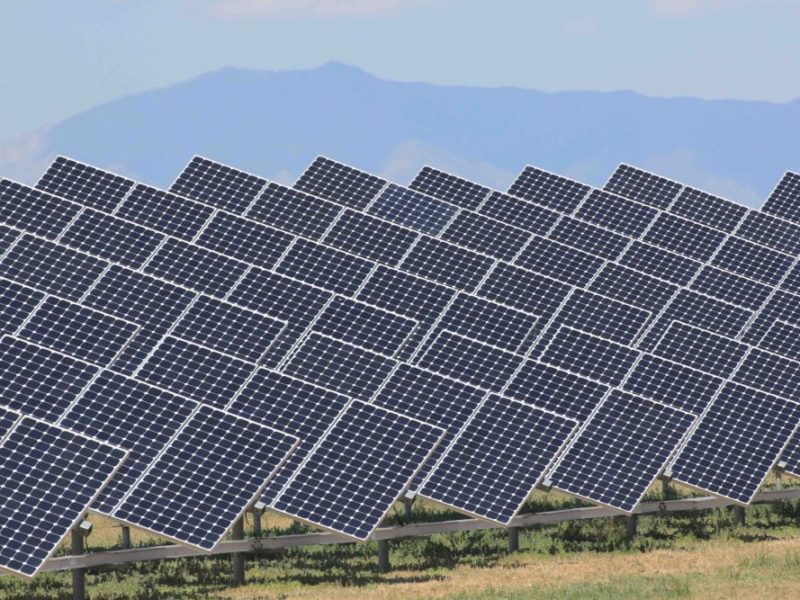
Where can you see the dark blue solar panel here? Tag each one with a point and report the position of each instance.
(370, 237)
(78, 331)
(445, 263)
(34, 211)
(455, 190)
(458, 357)
(328, 268)
(781, 306)
(589, 356)
(413, 209)
(769, 231)
(195, 267)
(751, 260)
(7, 237)
(89, 186)
(479, 233)
(700, 349)
(589, 238)
(294, 211)
(562, 392)
(228, 328)
(245, 240)
(792, 280)
(696, 309)
(616, 213)
(770, 373)
(559, 261)
(731, 288)
(51, 268)
(218, 185)
(684, 237)
(111, 238)
(784, 200)
(227, 480)
(737, 443)
(494, 464)
(164, 212)
(672, 383)
(632, 287)
(517, 212)
(549, 190)
(364, 325)
(195, 372)
(16, 303)
(138, 349)
(783, 339)
(706, 209)
(334, 181)
(660, 263)
(361, 467)
(645, 187)
(130, 414)
(524, 290)
(40, 382)
(622, 450)
(339, 366)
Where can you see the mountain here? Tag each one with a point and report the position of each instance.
(275, 122)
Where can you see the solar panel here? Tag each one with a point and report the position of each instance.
(547, 189)
(792, 281)
(660, 263)
(455, 190)
(218, 185)
(700, 349)
(770, 231)
(34, 211)
(370, 237)
(325, 267)
(559, 261)
(413, 209)
(645, 187)
(488, 236)
(706, 209)
(244, 240)
(41, 462)
(731, 287)
(361, 466)
(783, 202)
(524, 290)
(770, 373)
(752, 260)
(111, 238)
(291, 210)
(589, 238)
(616, 213)
(684, 237)
(232, 461)
(782, 306)
(497, 460)
(16, 303)
(525, 215)
(620, 451)
(78, 331)
(736, 443)
(164, 212)
(446, 263)
(633, 287)
(784, 339)
(39, 382)
(335, 181)
(89, 186)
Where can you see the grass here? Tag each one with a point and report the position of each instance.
(687, 555)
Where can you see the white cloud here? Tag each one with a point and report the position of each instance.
(25, 157)
(582, 26)
(686, 8)
(234, 9)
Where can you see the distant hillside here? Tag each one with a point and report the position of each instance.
(274, 123)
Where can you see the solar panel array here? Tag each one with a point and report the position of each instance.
(329, 346)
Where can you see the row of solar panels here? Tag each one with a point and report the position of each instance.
(500, 322)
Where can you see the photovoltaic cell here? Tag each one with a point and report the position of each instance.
(660, 263)
(771, 373)
(783, 202)
(217, 185)
(7, 237)
(783, 339)
(700, 349)
(498, 459)
(616, 213)
(782, 306)
(360, 468)
(525, 215)
(16, 303)
(232, 461)
(731, 288)
(446, 263)
(589, 238)
(34, 211)
(244, 240)
(633, 287)
(413, 209)
(559, 262)
(549, 190)
(645, 187)
(476, 232)
(770, 231)
(291, 210)
(339, 366)
(328, 268)
(39, 382)
(620, 452)
(790, 459)
(752, 260)
(737, 443)
(792, 280)
(164, 212)
(111, 238)
(371, 238)
(455, 190)
(709, 210)
(524, 290)
(343, 184)
(684, 237)
(89, 186)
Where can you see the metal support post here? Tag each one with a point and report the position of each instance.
(78, 575)
(126, 537)
(738, 513)
(631, 521)
(384, 566)
(513, 539)
(237, 558)
(257, 512)
(665, 488)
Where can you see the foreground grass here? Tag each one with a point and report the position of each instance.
(688, 555)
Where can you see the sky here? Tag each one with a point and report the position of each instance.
(58, 58)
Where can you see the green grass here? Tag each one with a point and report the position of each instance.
(573, 559)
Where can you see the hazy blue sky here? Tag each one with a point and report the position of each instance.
(59, 57)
